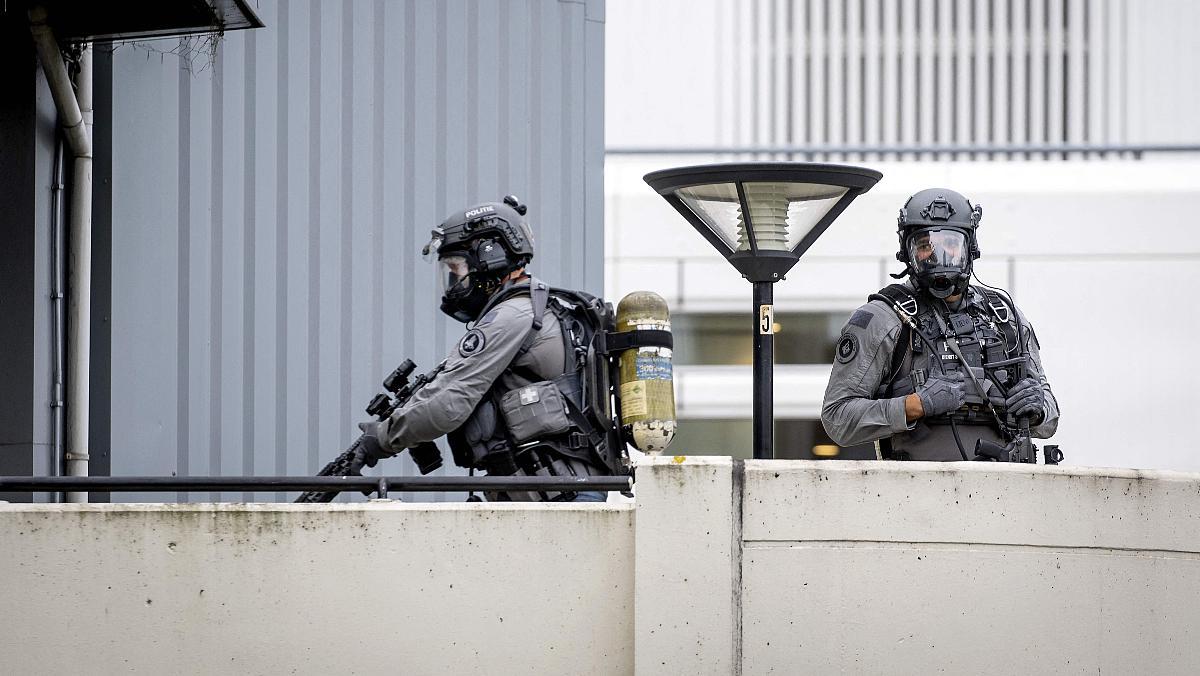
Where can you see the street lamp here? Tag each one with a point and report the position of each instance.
(762, 216)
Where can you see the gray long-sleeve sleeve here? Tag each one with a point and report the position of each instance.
(480, 357)
(1049, 424)
(850, 413)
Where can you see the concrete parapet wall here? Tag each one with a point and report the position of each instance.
(761, 567)
(874, 567)
(970, 568)
(686, 567)
(376, 588)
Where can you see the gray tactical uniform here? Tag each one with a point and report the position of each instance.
(483, 357)
(854, 411)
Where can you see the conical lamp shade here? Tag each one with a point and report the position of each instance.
(762, 216)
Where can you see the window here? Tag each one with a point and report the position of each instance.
(721, 339)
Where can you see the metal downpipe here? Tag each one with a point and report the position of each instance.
(75, 115)
(58, 314)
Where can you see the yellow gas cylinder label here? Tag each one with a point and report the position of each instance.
(633, 399)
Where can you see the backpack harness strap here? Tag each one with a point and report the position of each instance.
(574, 351)
(997, 304)
(901, 298)
(906, 307)
(539, 295)
(1005, 316)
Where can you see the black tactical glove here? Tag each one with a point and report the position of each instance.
(368, 450)
(941, 393)
(1027, 398)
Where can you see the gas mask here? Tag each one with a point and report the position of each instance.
(464, 293)
(940, 260)
(467, 277)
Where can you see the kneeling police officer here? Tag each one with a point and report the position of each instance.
(516, 346)
(929, 367)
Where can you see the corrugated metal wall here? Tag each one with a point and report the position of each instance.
(270, 202)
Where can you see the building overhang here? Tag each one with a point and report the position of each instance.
(87, 20)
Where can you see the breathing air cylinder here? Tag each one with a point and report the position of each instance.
(645, 386)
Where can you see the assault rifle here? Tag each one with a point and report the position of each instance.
(1020, 449)
(427, 455)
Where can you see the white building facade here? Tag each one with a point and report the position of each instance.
(1096, 247)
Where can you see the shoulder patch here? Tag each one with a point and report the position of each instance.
(847, 348)
(472, 343)
(861, 318)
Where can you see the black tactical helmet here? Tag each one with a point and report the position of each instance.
(477, 247)
(936, 229)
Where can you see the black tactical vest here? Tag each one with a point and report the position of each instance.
(985, 332)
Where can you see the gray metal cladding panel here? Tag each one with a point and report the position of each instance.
(270, 202)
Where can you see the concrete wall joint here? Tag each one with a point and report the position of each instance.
(738, 486)
(969, 546)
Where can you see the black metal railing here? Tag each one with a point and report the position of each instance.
(380, 485)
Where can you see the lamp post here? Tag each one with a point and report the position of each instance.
(762, 216)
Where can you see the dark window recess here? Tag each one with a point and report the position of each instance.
(794, 439)
(720, 339)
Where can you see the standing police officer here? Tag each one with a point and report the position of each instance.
(515, 342)
(930, 367)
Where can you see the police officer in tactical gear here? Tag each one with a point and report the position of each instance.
(515, 346)
(929, 367)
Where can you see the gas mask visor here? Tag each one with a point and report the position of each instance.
(939, 252)
(462, 298)
(941, 260)
(453, 275)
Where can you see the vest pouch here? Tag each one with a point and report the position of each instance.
(534, 412)
(972, 392)
(500, 463)
(478, 437)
